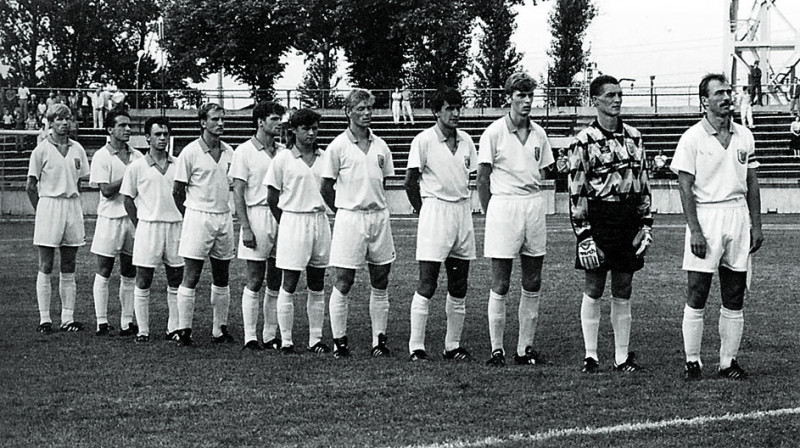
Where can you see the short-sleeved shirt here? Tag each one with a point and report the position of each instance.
(298, 183)
(359, 176)
(23, 93)
(152, 189)
(515, 167)
(444, 174)
(58, 175)
(207, 182)
(107, 167)
(250, 163)
(720, 174)
(607, 166)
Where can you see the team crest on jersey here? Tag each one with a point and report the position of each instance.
(742, 155)
(537, 152)
(381, 161)
(466, 162)
(77, 163)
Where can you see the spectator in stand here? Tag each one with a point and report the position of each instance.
(794, 130)
(408, 113)
(8, 119)
(61, 99)
(31, 123)
(22, 96)
(794, 106)
(118, 98)
(755, 84)
(97, 106)
(51, 99)
(660, 161)
(86, 106)
(746, 108)
(397, 98)
(73, 102)
(19, 119)
(41, 108)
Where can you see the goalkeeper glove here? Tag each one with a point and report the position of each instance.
(643, 240)
(589, 255)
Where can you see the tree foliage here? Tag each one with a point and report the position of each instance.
(497, 57)
(246, 38)
(568, 23)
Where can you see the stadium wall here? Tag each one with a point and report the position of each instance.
(777, 196)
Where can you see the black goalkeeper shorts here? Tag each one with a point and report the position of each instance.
(614, 227)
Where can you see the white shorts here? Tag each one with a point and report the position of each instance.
(59, 222)
(360, 236)
(304, 240)
(206, 234)
(265, 229)
(113, 236)
(515, 225)
(726, 227)
(157, 242)
(445, 230)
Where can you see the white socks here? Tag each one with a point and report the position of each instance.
(621, 322)
(315, 309)
(285, 307)
(220, 303)
(590, 323)
(455, 309)
(338, 310)
(692, 333)
(528, 315)
(43, 296)
(378, 312)
(185, 302)
(497, 319)
(731, 326)
(250, 314)
(67, 290)
(419, 322)
(100, 293)
(141, 306)
(270, 311)
(172, 306)
(126, 286)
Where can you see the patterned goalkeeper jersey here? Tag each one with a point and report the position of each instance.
(606, 166)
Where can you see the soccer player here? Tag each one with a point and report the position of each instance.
(258, 226)
(610, 213)
(147, 190)
(357, 163)
(113, 234)
(202, 191)
(293, 183)
(437, 185)
(716, 166)
(56, 167)
(513, 151)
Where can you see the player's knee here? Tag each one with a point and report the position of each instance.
(532, 284)
(500, 286)
(254, 284)
(426, 289)
(621, 292)
(458, 289)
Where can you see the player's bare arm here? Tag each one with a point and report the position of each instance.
(110, 189)
(179, 195)
(754, 206)
(130, 209)
(697, 240)
(248, 239)
(328, 192)
(272, 200)
(411, 185)
(483, 185)
(32, 188)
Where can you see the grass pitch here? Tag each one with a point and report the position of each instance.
(80, 390)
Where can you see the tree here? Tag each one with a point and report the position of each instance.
(246, 38)
(568, 23)
(437, 41)
(23, 22)
(497, 57)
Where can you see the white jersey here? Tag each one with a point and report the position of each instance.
(250, 163)
(207, 182)
(720, 174)
(151, 189)
(444, 174)
(57, 174)
(297, 182)
(107, 168)
(359, 176)
(515, 167)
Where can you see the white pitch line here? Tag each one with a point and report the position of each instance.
(603, 430)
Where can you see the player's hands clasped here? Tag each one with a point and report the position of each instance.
(589, 255)
(643, 240)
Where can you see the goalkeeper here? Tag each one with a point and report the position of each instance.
(610, 213)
